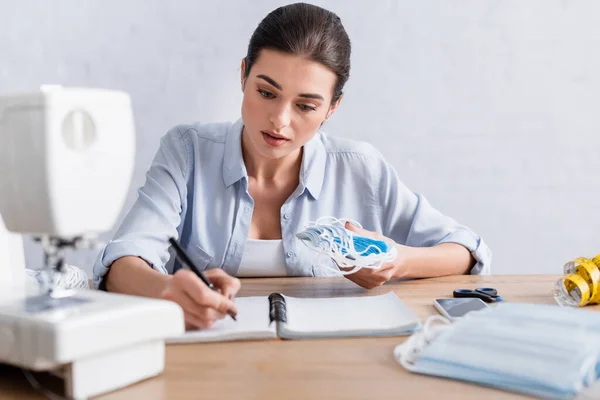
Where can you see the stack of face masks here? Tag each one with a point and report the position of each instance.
(541, 350)
(329, 237)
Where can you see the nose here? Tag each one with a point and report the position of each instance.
(280, 117)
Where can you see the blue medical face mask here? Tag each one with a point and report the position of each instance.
(541, 350)
(329, 237)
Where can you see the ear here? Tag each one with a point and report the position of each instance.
(243, 70)
(333, 107)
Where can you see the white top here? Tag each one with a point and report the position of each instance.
(262, 258)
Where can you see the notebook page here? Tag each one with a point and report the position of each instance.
(369, 315)
(252, 323)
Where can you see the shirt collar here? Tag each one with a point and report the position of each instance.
(312, 171)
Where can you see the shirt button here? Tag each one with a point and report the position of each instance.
(290, 254)
(286, 215)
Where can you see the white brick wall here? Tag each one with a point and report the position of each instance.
(486, 107)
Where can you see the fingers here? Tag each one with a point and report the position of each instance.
(370, 278)
(185, 301)
(366, 233)
(203, 295)
(202, 306)
(367, 283)
(353, 228)
(385, 269)
(193, 322)
(227, 284)
(195, 316)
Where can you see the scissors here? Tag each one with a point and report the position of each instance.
(489, 295)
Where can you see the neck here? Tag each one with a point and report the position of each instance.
(281, 170)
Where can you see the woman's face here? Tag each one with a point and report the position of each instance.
(286, 98)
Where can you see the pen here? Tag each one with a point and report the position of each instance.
(187, 261)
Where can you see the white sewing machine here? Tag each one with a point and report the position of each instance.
(66, 159)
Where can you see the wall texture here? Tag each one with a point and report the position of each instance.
(486, 107)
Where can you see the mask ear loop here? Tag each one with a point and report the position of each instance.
(328, 235)
(328, 220)
(343, 251)
(408, 352)
(351, 244)
(346, 254)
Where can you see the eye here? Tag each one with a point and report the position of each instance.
(265, 94)
(306, 108)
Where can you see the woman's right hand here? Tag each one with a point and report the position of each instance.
(201, 305)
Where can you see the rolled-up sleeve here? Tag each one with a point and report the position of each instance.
(156, 214)
(409, 219)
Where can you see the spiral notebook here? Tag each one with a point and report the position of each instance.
(285, 317)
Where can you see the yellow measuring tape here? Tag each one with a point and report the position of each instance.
(581, 283)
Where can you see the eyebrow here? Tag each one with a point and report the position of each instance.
(278, 86)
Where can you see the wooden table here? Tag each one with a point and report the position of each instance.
(353, 368)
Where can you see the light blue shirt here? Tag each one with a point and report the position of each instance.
(197, 191)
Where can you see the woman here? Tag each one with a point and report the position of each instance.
(236, 194)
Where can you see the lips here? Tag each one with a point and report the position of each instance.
(273, 139)
(275, 135)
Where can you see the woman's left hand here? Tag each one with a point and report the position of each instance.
(370, 277)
